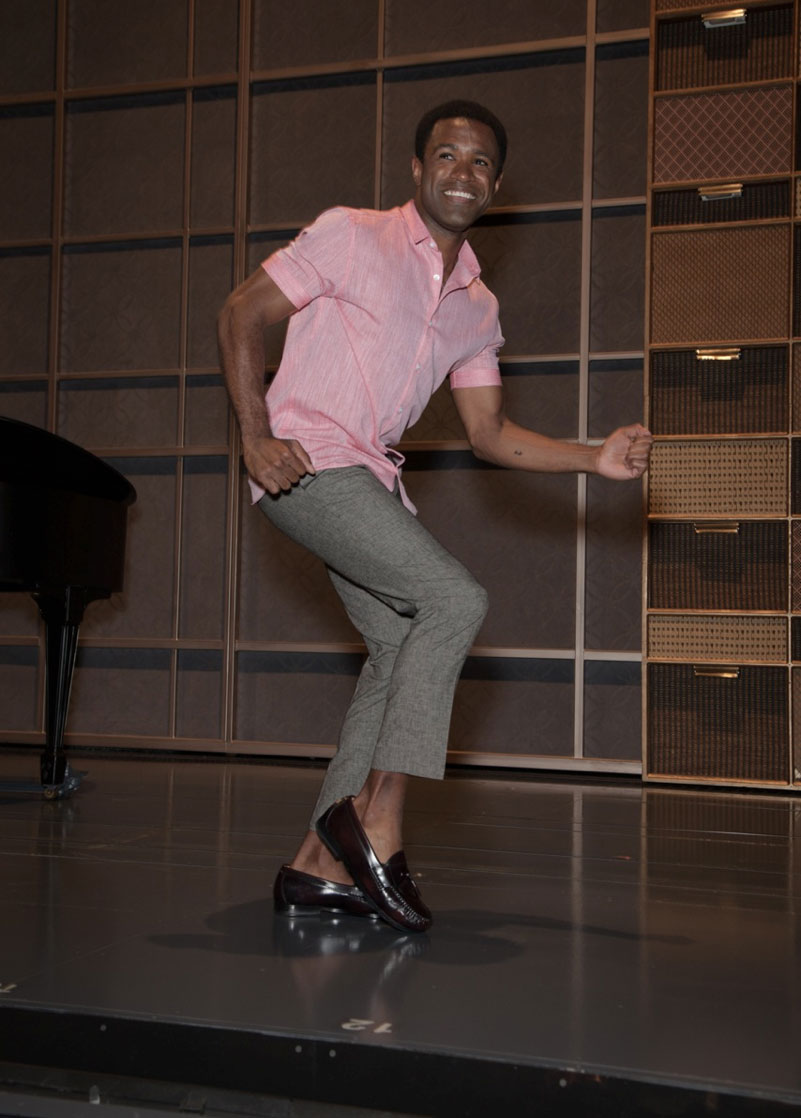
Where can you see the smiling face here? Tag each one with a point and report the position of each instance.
(457, 177)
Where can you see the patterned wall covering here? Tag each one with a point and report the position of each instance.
(141, 182)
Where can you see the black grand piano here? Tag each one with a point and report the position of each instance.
(63, 519)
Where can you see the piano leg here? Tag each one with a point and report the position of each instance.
(62, 615)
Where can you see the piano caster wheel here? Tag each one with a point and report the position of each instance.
(61, 791)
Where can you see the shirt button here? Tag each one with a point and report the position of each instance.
(431, 244)
(436, 276)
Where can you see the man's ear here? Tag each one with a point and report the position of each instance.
(417, 170)
(497, 183)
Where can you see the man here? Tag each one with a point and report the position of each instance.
(384, 305)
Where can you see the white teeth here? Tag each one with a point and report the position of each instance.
(458, 194)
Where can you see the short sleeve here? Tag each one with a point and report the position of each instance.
(317, 262)
(481, 370)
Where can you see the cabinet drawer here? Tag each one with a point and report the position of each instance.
(718, 285)
(718, 565)
(721, 390)
(718, 722)
(718, 478)
(689, 54)
(706, 136)
(721, 202)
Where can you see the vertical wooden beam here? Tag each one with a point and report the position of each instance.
(584, 376)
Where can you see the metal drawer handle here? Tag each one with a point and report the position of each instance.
(720, 193)
(728, 18)
(716, 671)
(716, 527)
(719, 353)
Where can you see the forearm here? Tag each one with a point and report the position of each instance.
(508, 444)
(241, 346)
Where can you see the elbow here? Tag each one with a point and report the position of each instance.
(485, 439)
(480, 448)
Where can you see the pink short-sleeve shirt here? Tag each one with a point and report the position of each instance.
(375, 336)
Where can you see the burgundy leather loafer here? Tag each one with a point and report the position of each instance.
(301, 894)
(400, 875)
(382, 885)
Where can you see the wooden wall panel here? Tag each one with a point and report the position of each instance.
(121, 691)
(212, 170)
(119, 412)
(613, 596)
(621, 120)
(522, 707)
(121, 307)
(25, 400)
(18, 686)
(415, 26)
(144, 607)
(124, 165)
(615, 394)
(206, 412)
(612, 710)
(616, 15)
(617, 300)
(19, 616)
(302, 160)
(138, 55)
(27, 46)
(216, 37)
(26, 171)
(25, 285)
(293, 696)
(202, 600)
(302, 34)
(199, 694)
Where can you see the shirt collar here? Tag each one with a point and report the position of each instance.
(419, 232)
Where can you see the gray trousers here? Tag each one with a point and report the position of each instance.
(416, 607)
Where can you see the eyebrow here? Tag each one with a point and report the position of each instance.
(475, 151)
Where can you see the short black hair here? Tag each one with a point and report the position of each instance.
(450, 109)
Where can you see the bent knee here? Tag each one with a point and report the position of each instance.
(466, 603)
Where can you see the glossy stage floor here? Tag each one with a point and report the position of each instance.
(599, 948)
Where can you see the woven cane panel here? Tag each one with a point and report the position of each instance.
(693, 568)
(795, 589)
(689, 396)
(688, 54)
(798, 197)
(717, 639)
(717, 285)
(686, 207)
(716, 728)
(709, 136)
(744, 477)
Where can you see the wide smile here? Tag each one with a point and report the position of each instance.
(462, 195)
